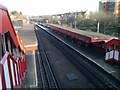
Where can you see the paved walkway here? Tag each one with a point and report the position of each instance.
(28, 38)
(30, 79)
(28, 35)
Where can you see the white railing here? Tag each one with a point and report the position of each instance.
(11, 71)
(113, 55)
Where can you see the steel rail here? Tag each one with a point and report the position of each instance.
(48, 78)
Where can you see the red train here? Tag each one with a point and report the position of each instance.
(99, 42)
(12, 53)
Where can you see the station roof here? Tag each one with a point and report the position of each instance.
(94, 37)
(113, 42)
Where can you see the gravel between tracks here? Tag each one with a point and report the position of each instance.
(63, 66)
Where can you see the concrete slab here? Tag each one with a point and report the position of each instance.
(71, 76)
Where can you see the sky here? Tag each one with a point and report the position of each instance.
(48, 7)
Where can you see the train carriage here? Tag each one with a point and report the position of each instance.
(12, 53)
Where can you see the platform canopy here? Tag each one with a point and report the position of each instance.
(88, 36)
(113, 42)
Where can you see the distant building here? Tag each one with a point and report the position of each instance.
(18, 19)
(107, 6)
(117, 13)
(117, 7)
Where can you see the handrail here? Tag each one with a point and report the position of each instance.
(12, 71)
(111, 55)
(4, 57)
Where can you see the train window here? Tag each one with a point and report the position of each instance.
(14, 53)
(17, 52)
(6, 39)
(12, 49)
(4, 44)
(22, 54)
(111, 47)
(8, 42)
(103, 45)
(117, 48)
(20, 51)
(0, 45)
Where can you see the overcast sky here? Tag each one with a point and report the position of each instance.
(46, 7)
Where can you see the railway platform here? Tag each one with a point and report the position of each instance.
(98, 58)
(28, 38)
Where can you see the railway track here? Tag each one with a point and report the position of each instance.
(98, 76)
(48, 78)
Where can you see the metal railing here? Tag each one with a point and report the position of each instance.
(12, 71)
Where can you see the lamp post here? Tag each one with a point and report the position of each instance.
(98, 24)
(118, 27)
(75, 18)
(75, 21)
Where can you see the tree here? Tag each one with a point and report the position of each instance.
(21, 13)
(106, 23)
(14, 12)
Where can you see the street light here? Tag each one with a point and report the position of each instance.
(75, 18)
(98, 25)
(75, 21)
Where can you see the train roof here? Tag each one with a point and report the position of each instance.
(6, 24)
(3, 7)
(95, 37)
